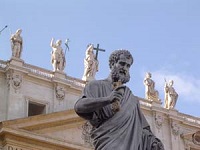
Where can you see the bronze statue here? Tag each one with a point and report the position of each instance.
(114, 112)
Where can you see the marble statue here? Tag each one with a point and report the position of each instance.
(114, 112)
(150, 92)
(16, 44)
(57, 56)
(90, 64)
(170, 95)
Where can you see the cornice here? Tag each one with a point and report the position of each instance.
(41, 73)
(44, 121)
(170, 113)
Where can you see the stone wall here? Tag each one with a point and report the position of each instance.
(22, 84)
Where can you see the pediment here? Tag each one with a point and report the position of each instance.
(64, 127)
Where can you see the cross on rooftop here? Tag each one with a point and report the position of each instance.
(97, 50)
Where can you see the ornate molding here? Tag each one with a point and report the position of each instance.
(187, 146)
(196, 138)
(14, 148)
(158, 120)
(8, 78)
(60, 92)
(191, 140)
(175, 128)
(86, 134)
(14, 79)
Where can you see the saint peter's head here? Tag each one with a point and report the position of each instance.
(120, 62)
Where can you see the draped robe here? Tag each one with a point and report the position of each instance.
(126, 129)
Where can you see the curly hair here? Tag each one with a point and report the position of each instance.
(115, 56)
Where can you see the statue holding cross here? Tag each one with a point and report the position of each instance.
(91, 62)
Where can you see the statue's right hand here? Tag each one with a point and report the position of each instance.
(115, 95)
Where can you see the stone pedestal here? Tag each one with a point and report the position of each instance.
(16, 61)
(59, 74)
(173, 112)
(156, 103)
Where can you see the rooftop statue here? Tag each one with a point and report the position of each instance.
(16, 44)
(57, 56)
(150, 92)
(170, 95)
(90, 64)
(114, 112)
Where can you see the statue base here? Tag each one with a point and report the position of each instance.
(173, 112)
(16, 61)
(59, 74)
(156, 103)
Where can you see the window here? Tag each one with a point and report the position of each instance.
(36, 108)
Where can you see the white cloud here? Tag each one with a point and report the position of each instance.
(186, 86)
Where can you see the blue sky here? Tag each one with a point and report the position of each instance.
(163, 37)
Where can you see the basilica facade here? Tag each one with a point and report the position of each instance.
(36, 112)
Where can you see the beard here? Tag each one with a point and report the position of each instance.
(119, 74)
